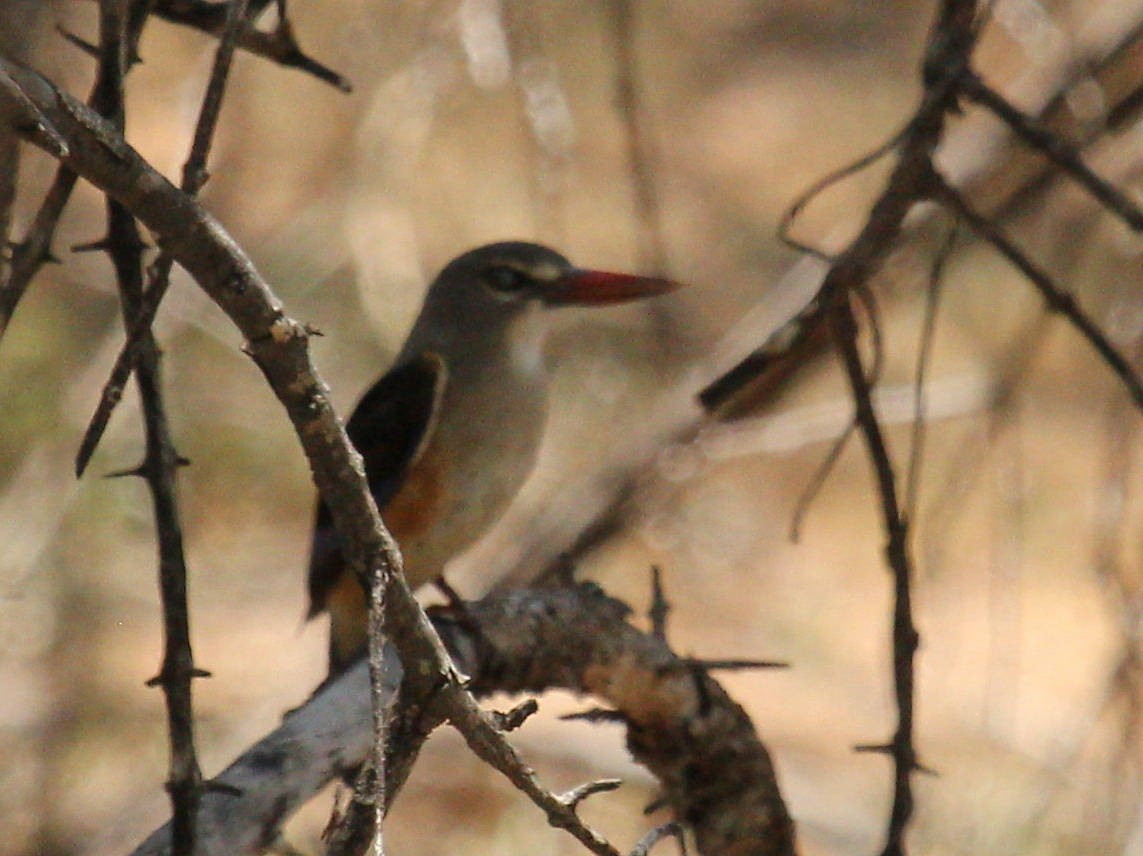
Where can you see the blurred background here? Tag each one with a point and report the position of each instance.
(478, 120)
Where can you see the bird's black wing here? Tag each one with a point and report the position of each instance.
(389, 427)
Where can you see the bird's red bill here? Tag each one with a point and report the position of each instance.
(596, 287)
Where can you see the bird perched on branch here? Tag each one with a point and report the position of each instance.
(449, 434)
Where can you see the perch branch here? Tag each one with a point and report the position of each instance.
(243, 808)
(717, 775)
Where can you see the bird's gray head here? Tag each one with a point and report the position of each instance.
(516, 272)
(479, 295)
(509, 272)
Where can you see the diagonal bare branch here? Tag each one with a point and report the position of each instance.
(279, 45)
(1056, 298)
(159, 275)
(1064, 155)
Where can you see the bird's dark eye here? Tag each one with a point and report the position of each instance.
(507, 280)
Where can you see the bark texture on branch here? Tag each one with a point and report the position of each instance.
(716, 773)
(681, 725)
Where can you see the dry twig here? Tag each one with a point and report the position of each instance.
(279, 45)
(124, 246)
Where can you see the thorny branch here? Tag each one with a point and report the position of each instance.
(178, 661)
(230, 30)
(277, 343)
(29, 255)
(948, 79)
(278, 45)
(120, 28)
(952, 39)
(1064, 155)
(1055, 297)
(125, 247)
(279, 347)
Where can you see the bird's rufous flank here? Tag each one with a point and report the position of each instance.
(449, 434)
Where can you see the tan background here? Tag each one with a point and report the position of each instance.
(1029, 509)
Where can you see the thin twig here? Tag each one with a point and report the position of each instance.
(817, 482)
(734, 665)
(138, 14)
(921, 371)
(1061, 153)
(9, 172)
(660, 609)
(821, 474)
(596, 715)
(785, 227)
(667, 830)
(34, 251)
(161, 459)
(125, 248)
(578, 794)
(159, 275)
(279, 45)
(488, 744)
(30, 254)
(1057, 299)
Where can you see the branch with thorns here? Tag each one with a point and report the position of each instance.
(829, 318)
(716, 774)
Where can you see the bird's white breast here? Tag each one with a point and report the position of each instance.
(526, 341)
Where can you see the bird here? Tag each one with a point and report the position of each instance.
(450, 432)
